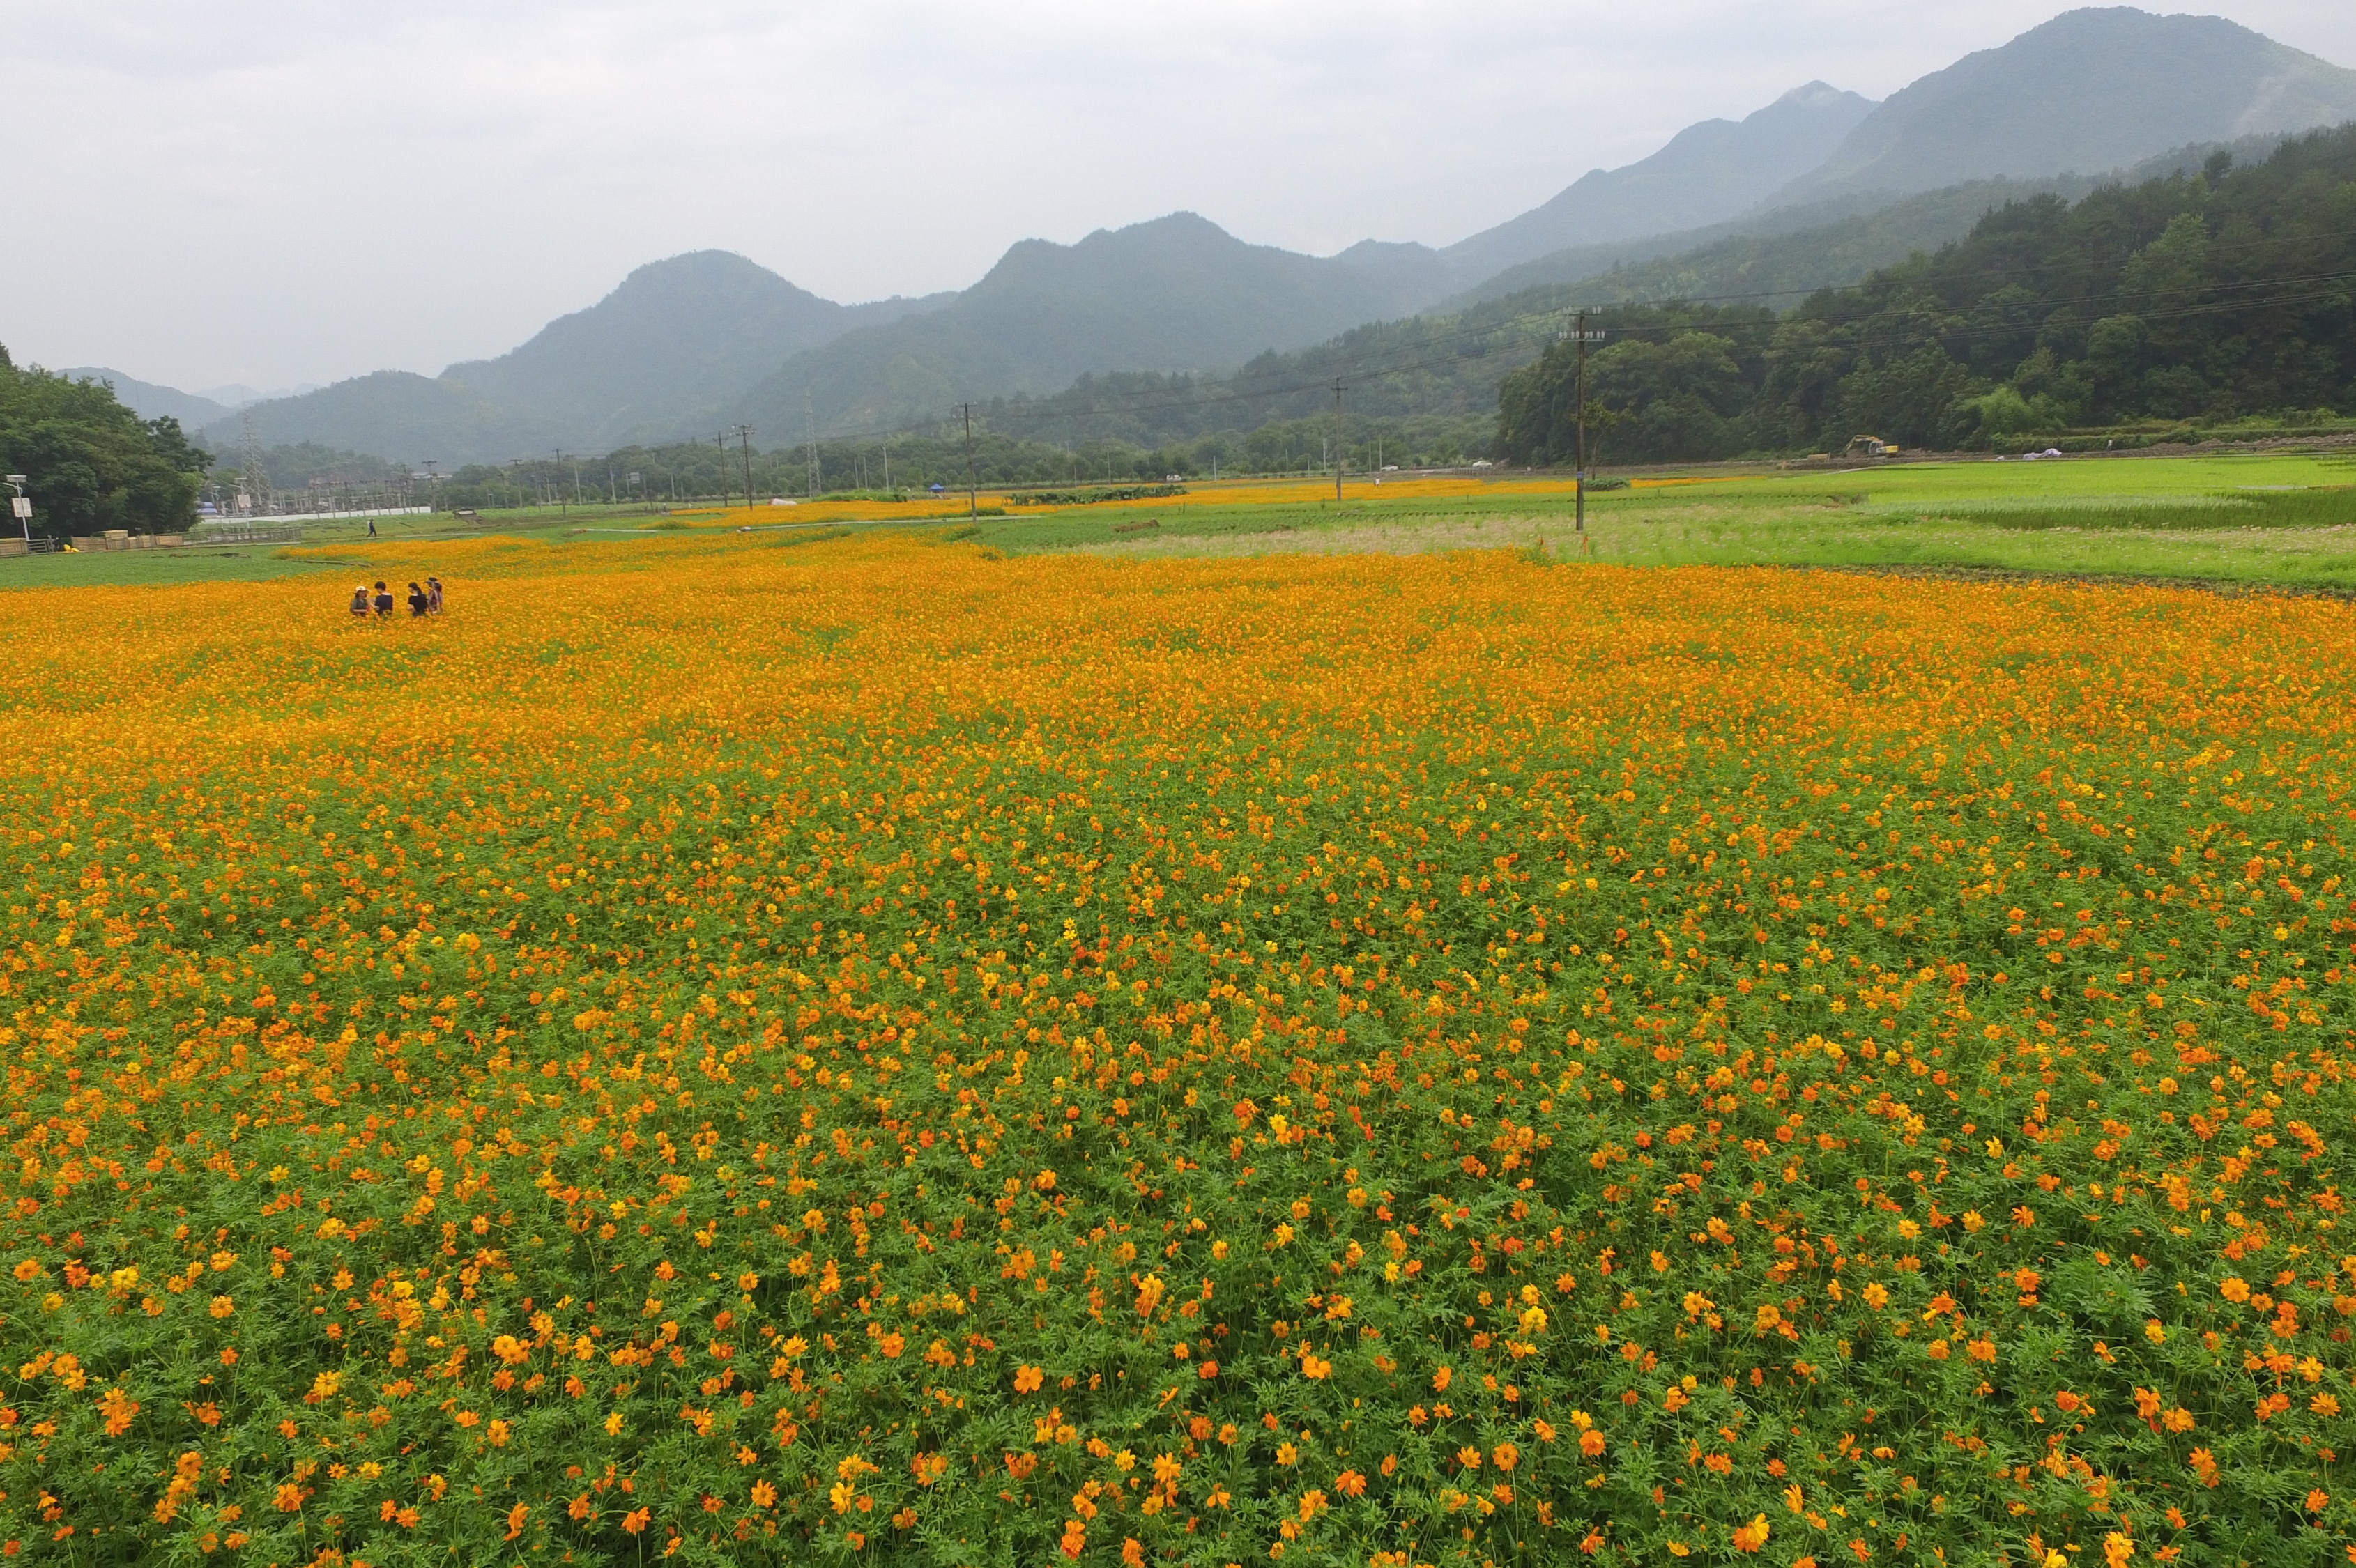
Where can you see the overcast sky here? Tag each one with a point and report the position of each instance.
(271, 191)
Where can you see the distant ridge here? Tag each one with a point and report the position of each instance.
(672, 336)
(1175, 294)
(1707, 173)
(2091, 89)
(150, 402)
(1787, 252)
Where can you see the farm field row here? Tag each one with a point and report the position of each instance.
(2255, 519)
(883, 1049)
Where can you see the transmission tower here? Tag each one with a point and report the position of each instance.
(249, 458)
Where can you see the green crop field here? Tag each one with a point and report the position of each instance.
(2287, 519)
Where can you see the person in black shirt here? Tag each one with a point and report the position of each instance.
(383, 601)
(418, 603)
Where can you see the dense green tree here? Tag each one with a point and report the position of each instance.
(90, 462)
(1670, 383)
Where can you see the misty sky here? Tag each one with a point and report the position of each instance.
(268, 191)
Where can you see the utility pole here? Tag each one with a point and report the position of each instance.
(810, 435)
(972, 499)
(744, 434)
(560, 511)
(887, 460)
(1579, 405)
(1337, 438)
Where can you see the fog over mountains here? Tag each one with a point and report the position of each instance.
(685, 344)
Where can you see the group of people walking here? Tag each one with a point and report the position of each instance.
(424, 600)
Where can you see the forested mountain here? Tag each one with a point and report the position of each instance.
(2092, 89)
(675, 336)
(1794, 250)
(1450, 364)
(1177, 294)
(2218, 293)
(1779, 259)
(1708, 172)
(90, 462)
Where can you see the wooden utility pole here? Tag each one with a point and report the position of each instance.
(1579, 415)
(743, 434)
(973, 500)
(1337, 438)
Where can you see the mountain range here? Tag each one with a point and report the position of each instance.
(193, 410)
(687, 344)
(2089, 90)
(1707, 174)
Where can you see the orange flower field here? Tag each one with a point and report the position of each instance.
(738, 1051)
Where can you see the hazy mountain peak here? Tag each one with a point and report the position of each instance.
(1814, 95)
(674, 336)
(1707, 173)
(2089, 91)
(705, 263)
(150, 402)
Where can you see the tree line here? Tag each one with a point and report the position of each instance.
(2214, 295)
(912, 461)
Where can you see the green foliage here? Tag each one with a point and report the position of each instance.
(1007, 452)
(1674, 385)
(91, 463)
(2207, 296)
